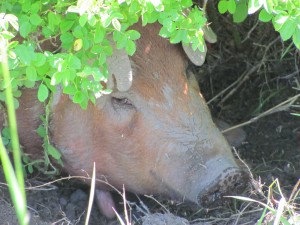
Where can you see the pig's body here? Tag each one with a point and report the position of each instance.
(156, 138)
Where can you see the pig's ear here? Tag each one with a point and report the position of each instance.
(196, 57)
(119, 67)
(209, 35)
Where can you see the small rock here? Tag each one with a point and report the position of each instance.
(63, 201)
(78, 195)
(164, 219)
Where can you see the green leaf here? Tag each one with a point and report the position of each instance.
(12, 44)
(99, 34)
(47, 32)
(53, 152)
(56, 78)
(177, 37)
(130, 47)
(29, 84)
(287, 30)
(169, 24)
(96, 49)
(186, 3)
(25, 29)
(264, 16)
(17, 93)
(7, 35)
(35, 19)
(279, 20)
(30, 169)
(42, 93)
(296, 37)
(106, 20)
(12, 55)
(268, 5)
(67, 40)
(43, 69)
(26, 54)
(16, 103)
(78, 97)
(121, 41)
(31, 73)
(50, 87)
(223, 6)
(254, 6)
(74, 62)
(40, 59)
(70, 90)
(133, 35)
(116, 24)
(117, 15)
(92, 20)
(84, 103)
(83, 19)
(26, 6)
(41, 131)
(66, 25)
(13, 20)
(231, 6)
(241, 12)
(35, 7)
(53, 21)
(77, 44)
(164, 32)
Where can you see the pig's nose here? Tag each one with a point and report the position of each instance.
(232, 181)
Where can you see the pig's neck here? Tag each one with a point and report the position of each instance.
(28, 119)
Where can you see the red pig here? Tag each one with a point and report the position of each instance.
(153, 134)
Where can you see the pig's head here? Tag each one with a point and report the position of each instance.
(157, 137)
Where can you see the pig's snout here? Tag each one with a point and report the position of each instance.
(232, 181)
(220, 176)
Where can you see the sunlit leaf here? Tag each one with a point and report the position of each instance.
(53, 152)
(31, 73)
(264, 16)
(241, 12)
(287, 29)
(77, 44)
(231, 6)
(223, 6)
(254, 6)
(42, 93)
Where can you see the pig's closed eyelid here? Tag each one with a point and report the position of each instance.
(122, 101)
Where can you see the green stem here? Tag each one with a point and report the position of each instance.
(12, 121)
(13, 186)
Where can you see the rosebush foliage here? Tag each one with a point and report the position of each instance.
(284, 14)
(80, 32)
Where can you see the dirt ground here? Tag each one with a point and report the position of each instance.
(260, 72)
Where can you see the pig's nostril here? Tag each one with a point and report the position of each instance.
(231, 182)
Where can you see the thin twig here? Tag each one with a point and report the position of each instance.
(278, 108)
(241, 79)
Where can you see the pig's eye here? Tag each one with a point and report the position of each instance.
(121, 101)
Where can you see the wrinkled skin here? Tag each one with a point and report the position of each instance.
(156, 138)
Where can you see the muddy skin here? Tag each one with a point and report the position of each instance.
(156, 138)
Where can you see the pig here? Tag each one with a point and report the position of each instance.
(153, 136)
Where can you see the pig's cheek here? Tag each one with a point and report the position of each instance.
(105, 203)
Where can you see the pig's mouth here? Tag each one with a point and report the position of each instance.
(232, 181)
